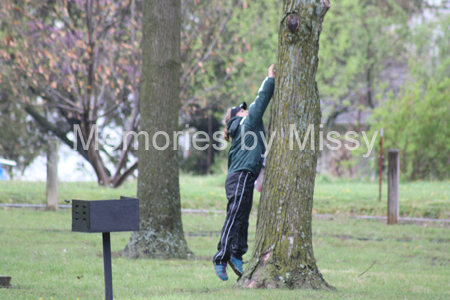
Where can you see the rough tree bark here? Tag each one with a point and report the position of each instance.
(283, 255)
(161, 234)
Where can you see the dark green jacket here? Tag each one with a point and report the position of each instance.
(246, 153)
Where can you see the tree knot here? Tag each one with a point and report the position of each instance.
(293, 22)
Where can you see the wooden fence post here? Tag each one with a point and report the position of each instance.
(393, 183)
(52, 174)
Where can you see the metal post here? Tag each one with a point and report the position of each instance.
(393, 183)
(107, 265)
(380, 175)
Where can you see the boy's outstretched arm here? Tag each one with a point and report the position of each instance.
(265, 93)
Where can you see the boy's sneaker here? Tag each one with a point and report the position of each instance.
(236, 265)
(221, 270)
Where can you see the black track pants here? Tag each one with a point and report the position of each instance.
(233, 238)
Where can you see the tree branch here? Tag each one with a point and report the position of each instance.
(42, 121)
(60, 96)
(194, 68)
(118, 181)
(190, 101)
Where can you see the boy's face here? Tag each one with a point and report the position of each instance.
(242, 113)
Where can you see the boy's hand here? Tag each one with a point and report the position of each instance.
(272, 72)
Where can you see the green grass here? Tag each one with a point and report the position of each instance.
(417, 199)
(48, 261)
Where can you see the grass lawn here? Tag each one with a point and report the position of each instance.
(417, 199)
(48, 261)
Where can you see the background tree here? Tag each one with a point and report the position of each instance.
(416, 119)
(76, 63)
(161, 233)
(244, 39)
(361, 62)
(283, 254)
(20, 140)
(225, 46)
(416, 122)
(356, 54)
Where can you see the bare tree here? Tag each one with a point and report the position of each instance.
(74, 63)
(77, 63)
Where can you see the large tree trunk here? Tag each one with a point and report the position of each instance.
(161, 234)
(283, 256)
